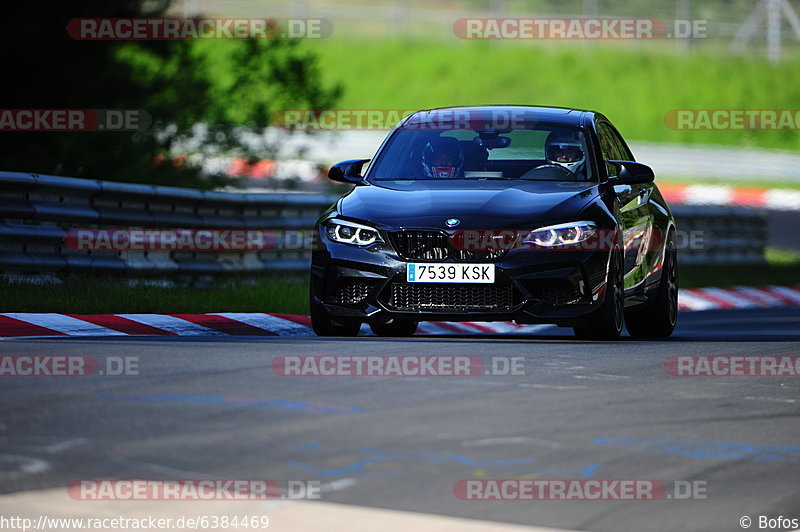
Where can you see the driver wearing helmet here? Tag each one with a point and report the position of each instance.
(442, 158)
(566, 150)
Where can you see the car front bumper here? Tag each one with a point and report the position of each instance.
(531, 286)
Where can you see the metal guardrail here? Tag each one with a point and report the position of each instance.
(716, 235)
(37, 211)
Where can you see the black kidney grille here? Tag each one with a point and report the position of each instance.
(421, 296)
(436, 245)
(422, 245)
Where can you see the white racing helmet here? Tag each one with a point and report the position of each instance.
(565, 149)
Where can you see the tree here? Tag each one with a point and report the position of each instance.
(207, 93)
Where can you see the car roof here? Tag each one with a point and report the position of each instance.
(526, 113)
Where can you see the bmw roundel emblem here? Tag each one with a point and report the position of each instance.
(452, 222)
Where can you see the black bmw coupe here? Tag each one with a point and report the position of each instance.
(497, 213)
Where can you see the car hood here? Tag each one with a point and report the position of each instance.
(476, 203)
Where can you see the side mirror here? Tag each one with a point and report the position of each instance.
(348, 171)
(631, 173)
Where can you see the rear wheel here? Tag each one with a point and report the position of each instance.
(396, 327)
(605, 323)
(657, 318)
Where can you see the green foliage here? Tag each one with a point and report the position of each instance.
(230, 87)
(634, 85)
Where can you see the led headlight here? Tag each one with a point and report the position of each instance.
(351, 233)
(561, 235)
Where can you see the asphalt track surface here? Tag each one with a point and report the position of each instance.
(212, 408)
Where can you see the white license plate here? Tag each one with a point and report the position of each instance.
(449, 273)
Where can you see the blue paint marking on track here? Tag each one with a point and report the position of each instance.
(337, 471)
(286, 406)
(713, 450)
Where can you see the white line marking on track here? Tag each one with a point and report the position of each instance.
(27, 464)
(64, 445)
(770, 399)
(511, 440)
(550, 386)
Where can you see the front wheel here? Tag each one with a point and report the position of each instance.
(323, 325)
(657, 318)
(395, 327)
(605, 323)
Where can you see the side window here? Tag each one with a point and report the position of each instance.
(623, 148)
(609, 147)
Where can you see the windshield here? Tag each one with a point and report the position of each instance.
(535, 152)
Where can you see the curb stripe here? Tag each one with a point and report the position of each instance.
(452, 327)
(13, 325)
(224, 325)
(67, 325)
(479, 326)
(718, 302)
(302, 320)
(755, 297)
(769, 292)
(731, 296)
(268, 322)
(792, 294)
(123, 325)
(767, 198)
(172, 324)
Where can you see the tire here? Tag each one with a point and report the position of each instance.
(606, 322)
(396, 327)
(657, 318)
(324, 326)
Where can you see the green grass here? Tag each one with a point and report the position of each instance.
(783, 257)
(634, 86)
(286, 294)
(782, 268)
